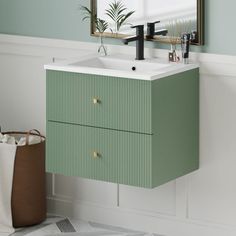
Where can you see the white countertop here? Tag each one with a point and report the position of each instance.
(121, 66)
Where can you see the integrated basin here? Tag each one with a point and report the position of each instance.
(122, 66)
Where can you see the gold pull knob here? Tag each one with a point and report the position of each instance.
(96, 155)
(96, 101)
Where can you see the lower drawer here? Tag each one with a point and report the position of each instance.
(102, 154)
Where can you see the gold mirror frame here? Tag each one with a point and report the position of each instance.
(200, 25)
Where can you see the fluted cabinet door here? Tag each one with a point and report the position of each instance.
(100, 101)
(101, 154)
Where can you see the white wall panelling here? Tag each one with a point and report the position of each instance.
(216, 178)
(22, 92)
(85, 190)
(161, 200)
(202, 203)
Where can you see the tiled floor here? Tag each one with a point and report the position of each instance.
(58, 226)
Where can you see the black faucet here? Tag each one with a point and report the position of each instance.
(139, 38)
(151, 30)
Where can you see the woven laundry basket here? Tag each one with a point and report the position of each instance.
(29, 182)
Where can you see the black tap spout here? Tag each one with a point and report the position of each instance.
(151, 30)
(130, 39)
(139, 38)
(162, 32)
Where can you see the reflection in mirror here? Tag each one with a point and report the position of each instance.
(176, 16)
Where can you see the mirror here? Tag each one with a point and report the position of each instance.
(176, 16)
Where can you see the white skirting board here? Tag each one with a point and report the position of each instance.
(202, 203)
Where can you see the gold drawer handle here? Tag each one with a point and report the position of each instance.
(96, 155)
(96, 101)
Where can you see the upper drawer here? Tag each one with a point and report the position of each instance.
(101, 101)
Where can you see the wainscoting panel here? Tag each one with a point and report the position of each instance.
(201, 203)
(160, 200)
(84, 190)
(212, 189)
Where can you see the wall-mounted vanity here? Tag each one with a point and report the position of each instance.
(177, 16)
(127, 121)
(124, 121)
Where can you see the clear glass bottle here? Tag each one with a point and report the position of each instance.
(102, 50)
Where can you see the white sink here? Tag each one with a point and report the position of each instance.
(121, 66)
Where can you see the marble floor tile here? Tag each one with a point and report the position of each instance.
(59, 226)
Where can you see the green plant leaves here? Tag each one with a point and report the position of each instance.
(87, 12)
(116, 12)
(101, 25)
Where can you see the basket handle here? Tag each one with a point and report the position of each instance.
(33, 132)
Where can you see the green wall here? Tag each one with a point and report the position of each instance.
(61, 19)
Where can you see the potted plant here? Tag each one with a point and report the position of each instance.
(101, 26)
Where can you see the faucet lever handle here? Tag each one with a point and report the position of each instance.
(137, 26)
(153, 23)
(139, 29)
(151, 29)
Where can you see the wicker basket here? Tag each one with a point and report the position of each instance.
(29, 182)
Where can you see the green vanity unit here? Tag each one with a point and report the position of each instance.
(122, 130)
